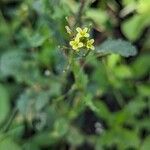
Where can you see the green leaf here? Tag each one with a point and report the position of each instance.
(134, 27)
(9, 144)
(146, 144)
(36, 40)
(141, 66)
(61, 127)
(81, 79)
(18, 64)
(11, 62)
(31, 101)
(120, 47)
(4, 103)
(135, 106)
(99, 16)
(143, 6)
(123, 72)
(30, 146)
(43, 138)
(143, 124)
(144, 89)
(100, 77)
(113, 60)
(74, 137)
(98, 107)
(121, 137)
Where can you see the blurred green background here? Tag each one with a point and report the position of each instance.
(104, 105)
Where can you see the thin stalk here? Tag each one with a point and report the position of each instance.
(10, 120)
(80, 13)
(116, 93)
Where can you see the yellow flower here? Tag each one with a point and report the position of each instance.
(89, 44)
(82, 32)
(76, 44)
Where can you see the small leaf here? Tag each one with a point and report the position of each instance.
(121, 47)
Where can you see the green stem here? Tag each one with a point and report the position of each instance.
(10, 120)
(80, 13)
(117, 93)
(119, 97)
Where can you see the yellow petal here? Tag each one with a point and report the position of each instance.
(71, 43)
(74, 47)
(91, 41)
(88, 47)
(85, 29)
(78, 36)
(92, 47)
(79, 29)
(80, 44)
(87, 35)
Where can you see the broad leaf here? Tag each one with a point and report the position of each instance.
(11, 63)
(31, 101)
(120, 47)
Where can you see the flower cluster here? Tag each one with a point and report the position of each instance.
(81, 39)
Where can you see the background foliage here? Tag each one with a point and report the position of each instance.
(46, 104)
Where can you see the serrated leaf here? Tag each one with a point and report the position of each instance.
(120, 47)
